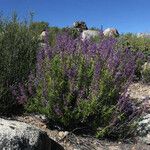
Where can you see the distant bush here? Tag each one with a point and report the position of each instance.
(135, 43)
(53, 32)
(73, 32)
(18, 47)
(140, 46)
(82, 85)
(38, 27)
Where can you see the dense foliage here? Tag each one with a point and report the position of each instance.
(38, 27)
(77, 85)
(82, 84)
(18, 48)
(135, 43)
(138, 45)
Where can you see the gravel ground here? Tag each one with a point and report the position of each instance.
(71, 141)
(139, 91)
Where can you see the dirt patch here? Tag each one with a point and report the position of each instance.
(71, 141)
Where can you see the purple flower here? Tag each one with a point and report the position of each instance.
(22, 96)
(57, 110)
(72, 72)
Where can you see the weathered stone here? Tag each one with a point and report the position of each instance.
(16, 135)
(146, 66)
(43, 118)
(63, 134)
(144, 129)
(111, 32)
(43, 35)
(89, 34)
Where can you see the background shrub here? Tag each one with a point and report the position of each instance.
(18, 46)
(73, 32)
(38, 27)
(53, 31)
(140, 46)
(135, 43)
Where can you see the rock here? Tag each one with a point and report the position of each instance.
(16, 135)
(146, 66)
(144, 129)
(43, 35)
(66, 133)
(89, 34)
(63, 134)
(80, 26)
(111, 32)
(43, 118)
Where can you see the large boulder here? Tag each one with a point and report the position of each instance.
(111, 32)
(16, 135)
(80, 26)
(89, 34)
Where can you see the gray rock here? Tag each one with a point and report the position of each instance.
(16, 135)
(43, 35)
(89, 34)
(144, 129)
(43, 118)
(111, 32)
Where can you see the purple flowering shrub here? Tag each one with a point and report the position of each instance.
(83, 85)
